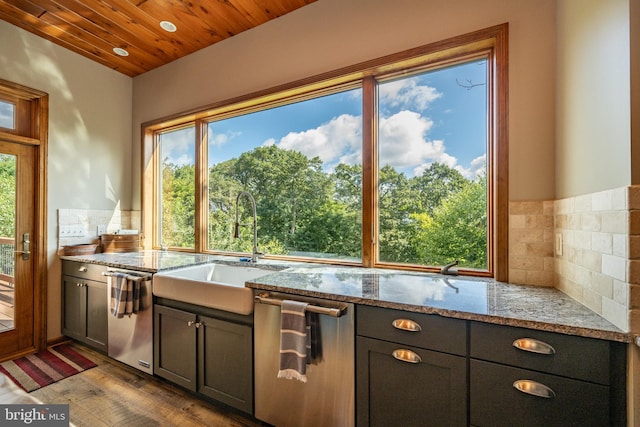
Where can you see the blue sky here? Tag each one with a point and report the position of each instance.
(423, 119)
(6, 114)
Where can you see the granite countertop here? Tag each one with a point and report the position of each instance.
(460, 297)
(155, 261)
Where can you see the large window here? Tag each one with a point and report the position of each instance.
(400, 163)
(298, 162)
(432, 151)
(176, 154)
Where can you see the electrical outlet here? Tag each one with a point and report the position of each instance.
(558, 244)
(72, 231)
(102, 229)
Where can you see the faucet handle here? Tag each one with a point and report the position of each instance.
(447, 269)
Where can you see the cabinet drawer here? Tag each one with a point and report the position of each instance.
(84, 270)
(575, 357)
(496, 402)
(432, 332)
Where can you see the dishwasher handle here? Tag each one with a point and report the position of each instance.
(312, 308)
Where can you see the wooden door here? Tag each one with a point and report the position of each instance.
(23, 170)
(17, 220)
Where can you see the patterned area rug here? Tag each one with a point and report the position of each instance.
(45, 367)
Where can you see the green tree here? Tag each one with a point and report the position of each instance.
(435, 184)
(397, 199)
(178, 205)
(457, 229)
(7, 195)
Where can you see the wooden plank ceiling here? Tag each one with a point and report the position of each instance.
(93, 28)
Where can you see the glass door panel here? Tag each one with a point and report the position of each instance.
(7, 240)
(17, 219)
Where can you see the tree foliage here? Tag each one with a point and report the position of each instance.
(7, 195)
(430, 219)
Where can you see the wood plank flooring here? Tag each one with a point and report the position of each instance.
(113, 394)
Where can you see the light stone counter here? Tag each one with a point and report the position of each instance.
(459, 297)
(154, 261)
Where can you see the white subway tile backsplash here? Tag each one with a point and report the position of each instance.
(602, 201)
(622, 245)
(600, 262)
(615, 267)
(616, 313)
(602, 242)
(90, 219)
(614, 222)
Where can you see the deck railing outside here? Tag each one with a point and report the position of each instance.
(7, 246)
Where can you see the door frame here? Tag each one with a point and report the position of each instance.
(33, 114)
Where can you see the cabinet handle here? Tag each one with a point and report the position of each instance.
(406, 325)
(192, 323)
(83, 269)
(533, 346)
(534, 388)
(405, 355)
(80, 285)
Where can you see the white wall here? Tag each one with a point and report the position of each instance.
(594, 127)
(89, 134)
(330, 34)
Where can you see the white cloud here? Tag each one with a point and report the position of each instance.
(406, 93)
(338, 140)
(403, 144)
(184, 159)
(220, 139)
(476, 167)
(179, 146)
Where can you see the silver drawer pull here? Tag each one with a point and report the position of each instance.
(83, 269)
(533, 346)
(406, 325)
(405, 355)
(534, 389)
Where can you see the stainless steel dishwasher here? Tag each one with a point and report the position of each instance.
(327, 398)
(130, 338)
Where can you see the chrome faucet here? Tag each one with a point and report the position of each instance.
(236, 234)
(447, 269)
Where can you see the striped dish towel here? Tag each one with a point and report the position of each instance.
(125, 294)
(294, 340)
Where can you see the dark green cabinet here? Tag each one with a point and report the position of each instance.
(428, 392)
(174, 353)
(403, 375)
(536, 378)
(205, 354)
(85, 304)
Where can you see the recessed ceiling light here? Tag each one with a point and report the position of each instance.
(120, 51)
(168, 26)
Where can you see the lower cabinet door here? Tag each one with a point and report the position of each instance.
(427, 390)
(74, 308)
(85, 311)
(97, 311)
(174, 355)
(505, 396)
(225, 362)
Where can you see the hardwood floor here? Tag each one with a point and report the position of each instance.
(113, 394)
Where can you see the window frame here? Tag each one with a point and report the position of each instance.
(490, 43)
